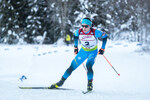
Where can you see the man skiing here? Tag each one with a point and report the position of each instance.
(89, 50)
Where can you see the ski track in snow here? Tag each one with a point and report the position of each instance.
(44, 65)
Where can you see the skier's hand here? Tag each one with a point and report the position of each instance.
(101, 51)
(75, 50)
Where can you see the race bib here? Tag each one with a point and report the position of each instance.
(88, 41)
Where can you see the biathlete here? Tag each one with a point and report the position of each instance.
(89, 50)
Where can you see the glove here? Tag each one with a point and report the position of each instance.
(75, 50)
(101, 51)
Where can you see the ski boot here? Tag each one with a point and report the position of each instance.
(90, 85)
(58, 84)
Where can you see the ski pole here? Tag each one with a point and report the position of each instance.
(111, 65)
(84, 67)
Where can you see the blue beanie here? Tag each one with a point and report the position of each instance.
(86, 21)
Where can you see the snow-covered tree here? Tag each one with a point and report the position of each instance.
(45, 21)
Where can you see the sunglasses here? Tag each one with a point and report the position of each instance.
(86, 26)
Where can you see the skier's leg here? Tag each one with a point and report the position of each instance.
(89, 65)
(77, 61)
(81, 56)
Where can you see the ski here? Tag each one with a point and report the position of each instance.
(85, 92)
(45, 88)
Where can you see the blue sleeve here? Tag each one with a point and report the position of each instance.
(102, 35)
(104, 43)
(76, 35)
(98, 33)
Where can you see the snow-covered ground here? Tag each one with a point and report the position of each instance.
(45, 64)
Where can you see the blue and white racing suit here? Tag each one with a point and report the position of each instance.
(89, 50)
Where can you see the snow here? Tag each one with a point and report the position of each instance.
(108, 16)
(9, 32)
(107, 21)
(44, 65)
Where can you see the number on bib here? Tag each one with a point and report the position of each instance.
(87, 43)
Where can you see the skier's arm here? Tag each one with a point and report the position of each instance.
(75, 41)
(76, 35)
(104, 40)
(103, 36)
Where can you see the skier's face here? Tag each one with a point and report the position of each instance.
(85, 27)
